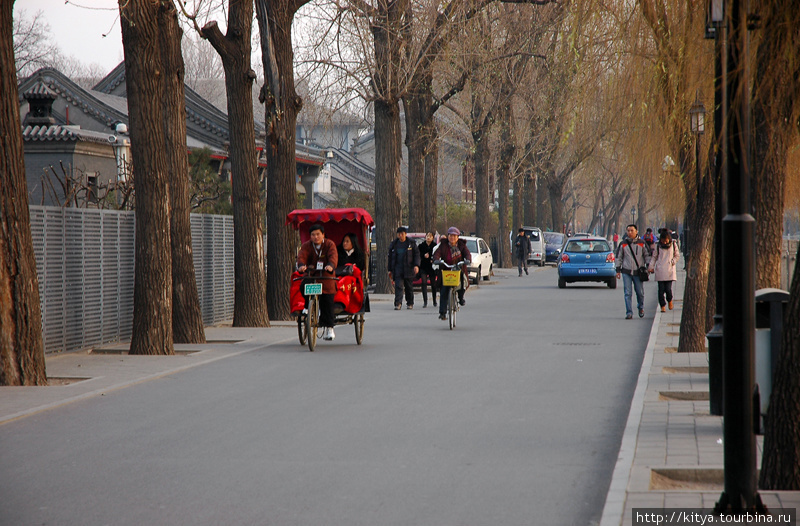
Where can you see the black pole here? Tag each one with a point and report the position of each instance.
(715, 375)
(738, 234)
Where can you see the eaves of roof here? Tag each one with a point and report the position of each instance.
(62, 133)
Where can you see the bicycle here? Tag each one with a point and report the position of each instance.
(452, 278)
(308, 323)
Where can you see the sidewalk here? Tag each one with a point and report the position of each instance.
(672, 454)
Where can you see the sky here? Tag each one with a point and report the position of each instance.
(78, 27)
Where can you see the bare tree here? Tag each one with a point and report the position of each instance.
(32, 46)
(152, 296)
(234, 49)
(21, 347)
(282, 106)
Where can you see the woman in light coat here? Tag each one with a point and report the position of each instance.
(663, 265)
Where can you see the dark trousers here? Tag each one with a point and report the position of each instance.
(403, 283)
(326, 316)
(434, 286)
(444, 298)
(664, 289)
(522, 262)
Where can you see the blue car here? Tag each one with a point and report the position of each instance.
(554, 241)
(587, 259)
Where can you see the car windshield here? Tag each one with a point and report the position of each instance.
(472, 245)
(553, 238)
(588, 246)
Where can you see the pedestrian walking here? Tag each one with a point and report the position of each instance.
(663, 266)
(403, 264)
(426, 271)
(522, 247)
(616, 241)
(650, 239)
(632, 257)
(452, 250)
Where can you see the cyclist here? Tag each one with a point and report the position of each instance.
(451, 251)
(320, 255)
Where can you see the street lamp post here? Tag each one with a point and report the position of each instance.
(715, 352)
(738, 280)
(633, 215)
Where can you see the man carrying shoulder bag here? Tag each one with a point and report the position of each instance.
(632, 255)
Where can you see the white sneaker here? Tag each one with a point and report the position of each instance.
(328, 334)
(305, 311)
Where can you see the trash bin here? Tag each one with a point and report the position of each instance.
(770, 309)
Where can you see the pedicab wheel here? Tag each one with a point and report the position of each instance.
(312, 320)
(358, 323)
(302, 330)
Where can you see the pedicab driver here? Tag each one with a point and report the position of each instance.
(319, 255)
(451, 251)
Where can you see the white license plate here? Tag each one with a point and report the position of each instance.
(587, 271)
(312, 289)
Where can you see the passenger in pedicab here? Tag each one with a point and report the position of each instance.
(321, 257)
(350, 286)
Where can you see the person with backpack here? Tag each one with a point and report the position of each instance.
(632, 258)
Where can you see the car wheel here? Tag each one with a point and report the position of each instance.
(612, 283)
(477, 276)
(487, 276)
(562, 283)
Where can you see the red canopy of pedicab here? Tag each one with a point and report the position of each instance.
(337, 223)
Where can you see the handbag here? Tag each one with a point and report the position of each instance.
(642, 272)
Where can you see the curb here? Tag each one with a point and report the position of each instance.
(614, 507)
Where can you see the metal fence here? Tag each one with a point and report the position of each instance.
(85, 264)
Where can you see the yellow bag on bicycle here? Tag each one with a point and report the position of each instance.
(451, 278)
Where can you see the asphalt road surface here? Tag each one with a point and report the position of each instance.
(514, 418)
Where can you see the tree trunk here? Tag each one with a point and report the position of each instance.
(387, 185)
(415, 141)
(770, 149)
(780, 465)
(21, 347)
(530, 206)
(431, 178)
(503, 182)
(480, 138)
(187, 318)
(555, 191)
(700, 223)
(282, 106)
(250, 287)
(152, 289)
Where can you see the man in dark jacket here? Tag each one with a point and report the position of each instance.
(522, 247)
(403, 264)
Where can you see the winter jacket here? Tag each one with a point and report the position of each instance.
(452, 257)
(664, 261)
(412, 256)
(522, 246)
(328, 255)
(426, 262)
(624, 259)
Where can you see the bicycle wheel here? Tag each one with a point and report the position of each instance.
(312, 321)
(451, 309)
(358, 322)
(302, 330)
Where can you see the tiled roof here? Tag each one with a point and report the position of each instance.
(62, 133)
(39, 91)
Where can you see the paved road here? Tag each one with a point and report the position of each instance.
(512, 419)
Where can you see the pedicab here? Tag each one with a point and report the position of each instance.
(351, 300)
